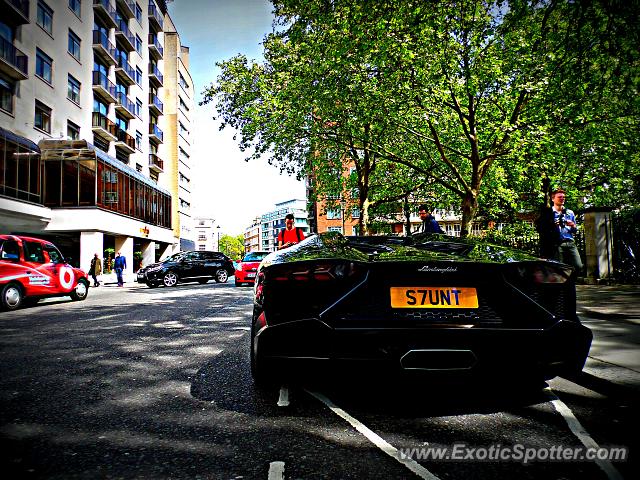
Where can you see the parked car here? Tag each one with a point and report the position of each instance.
(426, 303)
(247, 267)
(198, 266)
(31, 269)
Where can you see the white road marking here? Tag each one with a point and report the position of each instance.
(579, 431)
(276, 471)
(374, 438)
(283, 401)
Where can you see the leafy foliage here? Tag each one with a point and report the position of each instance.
(484, 104)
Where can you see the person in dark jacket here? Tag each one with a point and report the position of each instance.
(549, 236)
(429, 223)
(119, 265)
(95, 269)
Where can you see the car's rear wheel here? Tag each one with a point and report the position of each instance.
(12, 296)
(202, 281)
(80, 292)
(221, 275)
(170, 279)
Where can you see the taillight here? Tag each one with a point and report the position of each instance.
(544, 272)
(323, 272)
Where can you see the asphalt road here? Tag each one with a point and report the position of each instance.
(155, 383)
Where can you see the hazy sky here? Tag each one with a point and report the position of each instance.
(224, 186)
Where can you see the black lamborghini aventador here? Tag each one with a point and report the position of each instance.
(426, 303)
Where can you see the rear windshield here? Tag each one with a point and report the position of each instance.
(254, 256)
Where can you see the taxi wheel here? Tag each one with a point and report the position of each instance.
(170, 279)
(12, 296)
(80, 292)
(221, 276)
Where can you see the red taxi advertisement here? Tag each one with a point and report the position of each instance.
(31, 269)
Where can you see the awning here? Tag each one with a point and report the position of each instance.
(73, 149)
(25, 142)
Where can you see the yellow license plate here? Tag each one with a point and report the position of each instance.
(434, 297)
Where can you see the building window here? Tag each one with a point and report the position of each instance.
(45, 17)
(138, 76)
(333, 214)
(335, 229)
(43, 65)
(74, 45)
(73, 131)
(42, 120)
(73, 92)
(183, 82)
(138, 44)
(74, 6)
(138, 140)
(139, 13)
(122, 156)
(100, 143)
(154, 176)
(6, 96)
(138, 107)
(355, 213)
(183, 105)
(138, 167)
(202, 248)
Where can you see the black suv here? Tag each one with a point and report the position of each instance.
(187, 266)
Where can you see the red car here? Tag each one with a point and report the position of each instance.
(247, 267)
(31, 269)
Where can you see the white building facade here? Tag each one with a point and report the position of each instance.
(82, 148)
(207, 234)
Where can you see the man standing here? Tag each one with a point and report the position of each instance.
(289, 235)
(429, 223)
(565, 220)
(119, 264)
(95, 269)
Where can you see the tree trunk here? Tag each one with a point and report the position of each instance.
(407, 214)
(469, 211)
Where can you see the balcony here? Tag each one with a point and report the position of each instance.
(124, 141)
(155, 49)
(155, 77)
(16, 12)
(124, 106)
(103, 47)
(103, 127)
(156, 19)
(155, 105)
(124, 36)
(125, 72)
(106, 12)
(13, 62)
(155, 133)
(155, 163)
(127, 7)
(103, 87)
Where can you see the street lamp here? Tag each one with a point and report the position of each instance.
(218, 246)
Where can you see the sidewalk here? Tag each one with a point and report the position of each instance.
(613, 315)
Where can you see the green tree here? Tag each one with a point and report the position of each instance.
(232, 247)
(476, 101)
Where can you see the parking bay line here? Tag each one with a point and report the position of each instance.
(276, 471)
(374, 438)
(581, 433)
(283, 400)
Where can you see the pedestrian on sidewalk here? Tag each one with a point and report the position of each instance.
(95, 269)
(429, 223)
(119, 265)
(289, 235)
(565, 221)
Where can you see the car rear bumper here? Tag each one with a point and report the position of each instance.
(559, 349)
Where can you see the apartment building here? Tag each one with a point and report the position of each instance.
(252, 236)
(207, 234)
(273, 221)
(178, 111)
(82, 127)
